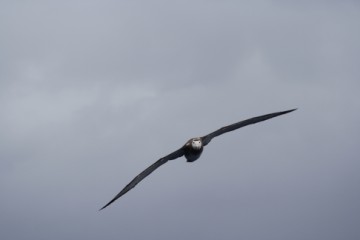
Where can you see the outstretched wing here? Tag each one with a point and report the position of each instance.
(206, 139)
(178, 153)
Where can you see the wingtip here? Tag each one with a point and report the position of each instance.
(101, 209)
(285, 112)
(105, 206)
(291, 110)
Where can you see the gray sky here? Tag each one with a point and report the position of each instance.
(92, 92)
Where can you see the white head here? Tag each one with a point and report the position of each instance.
(196, 143)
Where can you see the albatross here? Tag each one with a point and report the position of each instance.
(193, 149)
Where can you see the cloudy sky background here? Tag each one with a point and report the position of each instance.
(92, 92)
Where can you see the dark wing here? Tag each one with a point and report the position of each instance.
(146, 172)
(206, 139)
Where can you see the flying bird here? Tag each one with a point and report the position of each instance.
(193, 149)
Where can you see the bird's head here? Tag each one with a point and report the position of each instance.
(196, 143)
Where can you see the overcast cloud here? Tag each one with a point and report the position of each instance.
(92, 92)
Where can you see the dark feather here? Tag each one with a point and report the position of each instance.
(178, 153)
(206, 139)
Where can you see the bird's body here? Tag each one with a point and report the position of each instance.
(192, 149)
